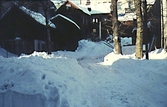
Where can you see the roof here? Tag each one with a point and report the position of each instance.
(151, 1)
(73, 5)
(37, 16)
(23, 25)
(97, 8)
(66, 18)
(127, 17)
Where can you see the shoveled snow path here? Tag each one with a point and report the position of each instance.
(109, 86)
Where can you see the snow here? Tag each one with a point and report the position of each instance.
(37, 16)
(127, 17)
(96, 8)
(102, 6)
(66, 18)
(92, 76)
(151, 1)
(5, 53)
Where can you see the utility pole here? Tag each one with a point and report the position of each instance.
(162, 25)
(100, 28)
(145, 30)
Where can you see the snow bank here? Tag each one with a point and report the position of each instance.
(87, 50)
(50, 80)
(128, 52)
(6, 54)
(16, 99)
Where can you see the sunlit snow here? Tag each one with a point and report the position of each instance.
(92, 76)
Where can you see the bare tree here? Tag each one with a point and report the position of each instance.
(164, 24)
(117, 41)
(140, 30)
(46, 8)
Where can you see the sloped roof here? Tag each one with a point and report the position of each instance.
(151, 1)
(73, 5)
(37, 16)
(17, 23)
(97, 8)
(70, 4)
(66, 18)
(127, 17)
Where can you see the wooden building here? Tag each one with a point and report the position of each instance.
(78, 15)
(36, 6)
(19, 30)
(68, 33)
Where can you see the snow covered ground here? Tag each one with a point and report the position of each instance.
(92, 76)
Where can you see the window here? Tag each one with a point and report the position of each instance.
(130, 4)
(119, 5)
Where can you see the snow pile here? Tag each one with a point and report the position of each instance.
(87, 50)
(6, 54)
(158, 54)
(83, 79)
(41, 81)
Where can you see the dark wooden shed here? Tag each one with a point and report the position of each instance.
(79, 16)
(16, 23)
(68, 33)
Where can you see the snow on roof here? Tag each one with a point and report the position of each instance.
(66, 18)
(151, 1)
(37, 16)
(97, 8)
(127, 16)
(84, 9)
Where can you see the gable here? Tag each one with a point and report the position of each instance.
(68, 5)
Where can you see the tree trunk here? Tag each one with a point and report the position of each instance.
(117, 44)
(139, 35)
(45, 5)
(164, 23)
